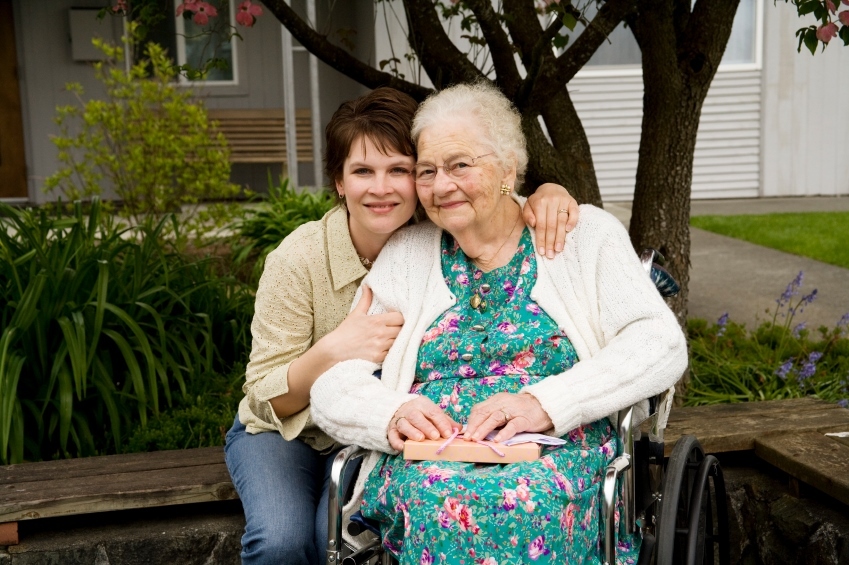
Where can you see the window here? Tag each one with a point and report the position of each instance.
(188, 42)
(198, 44)
(621, 49)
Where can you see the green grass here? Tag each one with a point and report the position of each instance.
(819, 235)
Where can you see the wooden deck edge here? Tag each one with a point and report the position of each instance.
(127, 501)
(810, 457)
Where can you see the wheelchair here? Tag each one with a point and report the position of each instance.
(677, 505)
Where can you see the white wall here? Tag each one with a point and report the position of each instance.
(805, 149)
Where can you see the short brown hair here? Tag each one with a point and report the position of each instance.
(384, 116)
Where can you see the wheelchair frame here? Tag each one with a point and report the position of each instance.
(678, 506)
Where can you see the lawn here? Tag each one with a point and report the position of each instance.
(823, 236)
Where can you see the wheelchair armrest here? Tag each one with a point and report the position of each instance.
(336, 500)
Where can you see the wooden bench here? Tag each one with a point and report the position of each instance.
(258, 135)
(111, 482)
(788, 434)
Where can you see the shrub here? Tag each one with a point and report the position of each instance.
(149, 141)
(100, 327)
(262, 228)
(200, 419)
(779, 359)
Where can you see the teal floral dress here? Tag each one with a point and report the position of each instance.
(544, 511)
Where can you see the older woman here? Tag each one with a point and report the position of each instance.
(278, 459)
(496, 336)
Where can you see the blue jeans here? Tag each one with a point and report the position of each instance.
(283, 486)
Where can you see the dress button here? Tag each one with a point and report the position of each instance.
(466, 356)
(478, 328)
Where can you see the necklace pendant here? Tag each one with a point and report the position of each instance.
(475, 301)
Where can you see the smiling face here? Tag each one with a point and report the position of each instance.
(470, 202)
(379, 192)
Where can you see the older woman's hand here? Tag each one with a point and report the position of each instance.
(553, 213)
(516, 412)
(419, 419)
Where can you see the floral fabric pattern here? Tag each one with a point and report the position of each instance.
(495, 339)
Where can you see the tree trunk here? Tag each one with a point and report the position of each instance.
(681, 51)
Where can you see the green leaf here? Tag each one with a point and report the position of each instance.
(134, 370)
(807, 7)
(844, 35)
(811, 41)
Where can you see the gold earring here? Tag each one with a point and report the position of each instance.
(505, 189)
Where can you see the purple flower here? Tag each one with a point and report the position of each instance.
(810, 366)
(843, 322)
(791, 290)
(843, 403)
(807, 299)
(784, 369)
(466, 371)
(798, 329)
(721, 322)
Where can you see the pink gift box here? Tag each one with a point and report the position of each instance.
(470, 452)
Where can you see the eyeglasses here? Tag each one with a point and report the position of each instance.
(456, 168)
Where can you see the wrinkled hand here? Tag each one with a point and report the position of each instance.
(541, 213)
(361, 336)
(419, 419)
(516, 412)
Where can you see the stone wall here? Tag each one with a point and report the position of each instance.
(770, 525)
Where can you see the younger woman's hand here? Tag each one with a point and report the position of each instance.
(417, 420)
(361, 336)
(514, 413)
(553, 213)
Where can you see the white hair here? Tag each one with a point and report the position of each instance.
(486, 105)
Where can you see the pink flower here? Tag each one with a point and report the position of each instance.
(506, 327)
(830, 5)
(204, 11)
(463, 279)
(427, 558)
(537, 548)
(567, 520)
(452, 506)
(489, 561)
(120, 6)
(548, 463)
(434, 376)
(524, 359)
(466, 371)
(523, 492)
(526, 266)
(827, 32)
(846, 2)
(432, 334)
(187, 6)
(509, 499)
(533, 309)
(844, 17)
(464, 518)
(246, 16)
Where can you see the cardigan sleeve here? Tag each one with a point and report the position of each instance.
(348, 402)
(643, 350)
(282, 330)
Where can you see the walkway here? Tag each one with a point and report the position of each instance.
(744, 279)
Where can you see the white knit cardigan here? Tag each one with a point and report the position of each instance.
(629, 344)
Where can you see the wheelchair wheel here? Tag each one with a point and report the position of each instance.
(692, 523)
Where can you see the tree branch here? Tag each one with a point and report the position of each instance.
(337, 57)
(443, 62)
(499, 46)
(576, 56)
(524, 27)
(706, 37)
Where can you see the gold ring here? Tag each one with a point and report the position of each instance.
(506, 415)
(398, 419)
(563, 211)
